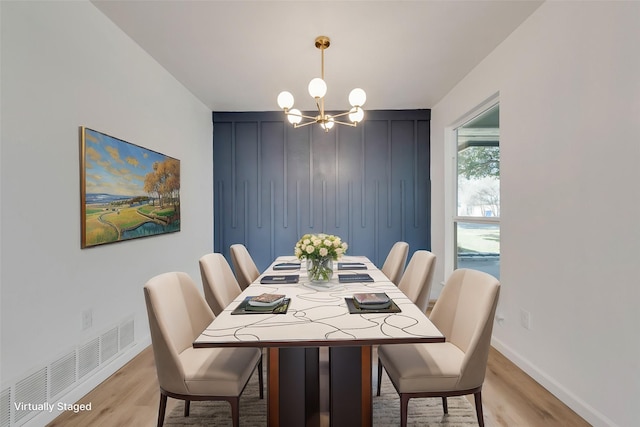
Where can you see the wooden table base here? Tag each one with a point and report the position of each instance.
(293, 384)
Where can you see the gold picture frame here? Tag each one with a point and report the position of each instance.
(126, 191)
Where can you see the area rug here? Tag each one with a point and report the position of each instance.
(386, 410)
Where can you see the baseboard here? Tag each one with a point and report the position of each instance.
(586, 411)
(77, 393)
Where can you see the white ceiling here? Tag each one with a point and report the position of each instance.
(238, 55)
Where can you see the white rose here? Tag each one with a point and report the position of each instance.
(323, 251)
(310, 249)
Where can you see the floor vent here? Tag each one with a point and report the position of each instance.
(126, 334)
(62, 374)
(88, 357)
(5, 408)
(108, 345)
(29, 393)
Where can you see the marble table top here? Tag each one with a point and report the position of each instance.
(318, 316)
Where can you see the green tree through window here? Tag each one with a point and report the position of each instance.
(477, 220)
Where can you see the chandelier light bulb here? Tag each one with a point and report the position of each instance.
(317, 88)
(294, 116)
(357, 97)
(285, 100)
(328, 124)
(356, 114)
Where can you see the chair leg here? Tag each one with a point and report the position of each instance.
(404, 405)
(379, 376)
(478, 399)
(187, 406)
(162, 409)
(260, 378)
(444, 404)
(235, 411)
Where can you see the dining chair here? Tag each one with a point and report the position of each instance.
(464, 314)
(416, 279)
(177, 315)
(244, 266)
(396, 260)
(219, 284)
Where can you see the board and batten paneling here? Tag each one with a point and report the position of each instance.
(369, 184)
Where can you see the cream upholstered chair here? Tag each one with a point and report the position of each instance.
(394, 263)
(243, 265)
(417, 278)
(219, 283)
(177, 315)
(464, 314)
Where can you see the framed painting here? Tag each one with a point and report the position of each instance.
(126, 191)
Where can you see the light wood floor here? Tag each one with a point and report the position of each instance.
(130, 397)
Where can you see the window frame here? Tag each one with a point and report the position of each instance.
(451, 185)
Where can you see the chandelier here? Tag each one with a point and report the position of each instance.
(317, 90)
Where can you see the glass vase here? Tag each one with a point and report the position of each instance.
(320, 270)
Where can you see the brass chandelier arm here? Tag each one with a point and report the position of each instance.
(314, 118)
(320, 118)
(320, 107)
(341, 114)
(301, 125)
(352, 124)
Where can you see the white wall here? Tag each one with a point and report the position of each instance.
(569, 91)
(64, 65)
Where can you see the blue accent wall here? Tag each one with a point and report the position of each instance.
(369, 184)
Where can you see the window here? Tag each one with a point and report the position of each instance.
(476, 221)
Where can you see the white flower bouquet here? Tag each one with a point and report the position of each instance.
(320, 250)
(314, 246)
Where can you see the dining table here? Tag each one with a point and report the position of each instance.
(315, 317)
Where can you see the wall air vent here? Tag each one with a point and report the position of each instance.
(108, 345)
(29, 393)
(88, 357)
(62, 374)
(126, 334)
(5, 408)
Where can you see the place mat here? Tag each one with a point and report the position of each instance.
(287, 266)
(278, 309)
(393, 308)
(280, 279)
(351, 266)
(354, 278)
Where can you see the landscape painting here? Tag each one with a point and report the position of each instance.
(127, 191)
